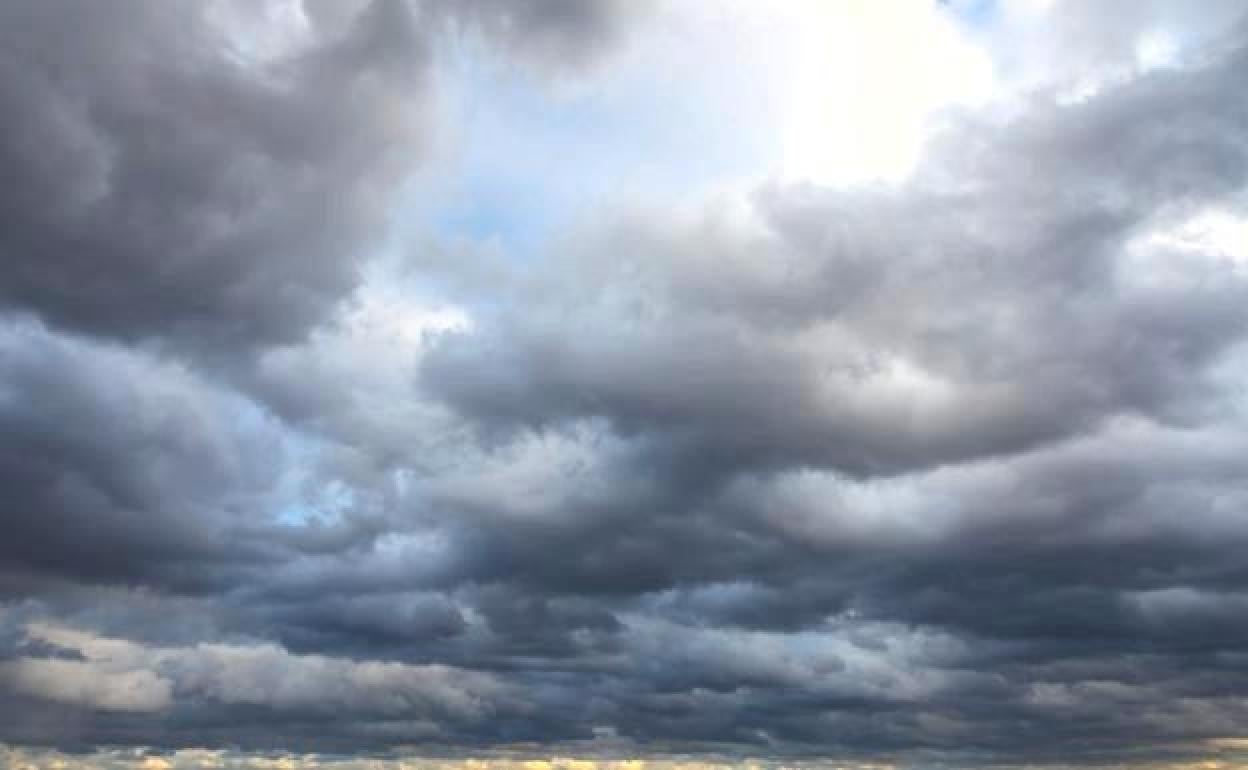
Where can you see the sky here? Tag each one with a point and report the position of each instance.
(623, 384)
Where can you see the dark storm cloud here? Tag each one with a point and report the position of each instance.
(197, 168)
(119, 467)
(949, 466)
(222, 170)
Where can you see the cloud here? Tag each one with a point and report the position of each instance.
(76, 683)
(940, 471)
(138, 211)
(121, 465)
(125, 676)
(552, 34)
(221, 172)
(845, 341)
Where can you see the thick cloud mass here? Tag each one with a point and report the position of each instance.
(197, 167)
(941, 472)
(118, 466)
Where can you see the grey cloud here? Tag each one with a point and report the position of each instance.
(120, 466)
(984, 308)
(945, 472)
(992, 323)
(553, 34)
(222, 171)
(120, 675)
(171, 174)
(370, 622)
(78, 683)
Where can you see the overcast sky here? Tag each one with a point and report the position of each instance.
(461, 384)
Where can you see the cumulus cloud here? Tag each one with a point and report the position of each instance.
(939, 468)
(77, 683)
(211, 169)
(126, 676)
(121, 465)
(221, 171)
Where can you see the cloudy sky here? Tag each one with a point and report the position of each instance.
(623, 384)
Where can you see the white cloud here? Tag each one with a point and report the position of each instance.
(88, 684)
(121, 675)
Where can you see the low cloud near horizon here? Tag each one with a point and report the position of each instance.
(557, 385)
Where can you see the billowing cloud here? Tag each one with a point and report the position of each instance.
(117, 675)
(207, 169)
(886, 453)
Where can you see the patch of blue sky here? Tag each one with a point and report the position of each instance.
(520, 160)
(263, 434)
(323, 505)
(296, 514)
(973, 13)
(301, 497)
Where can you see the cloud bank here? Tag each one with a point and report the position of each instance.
(924, 449)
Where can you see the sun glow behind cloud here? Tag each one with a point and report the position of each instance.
(864, 80)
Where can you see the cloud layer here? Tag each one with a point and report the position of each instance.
(943, 469)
